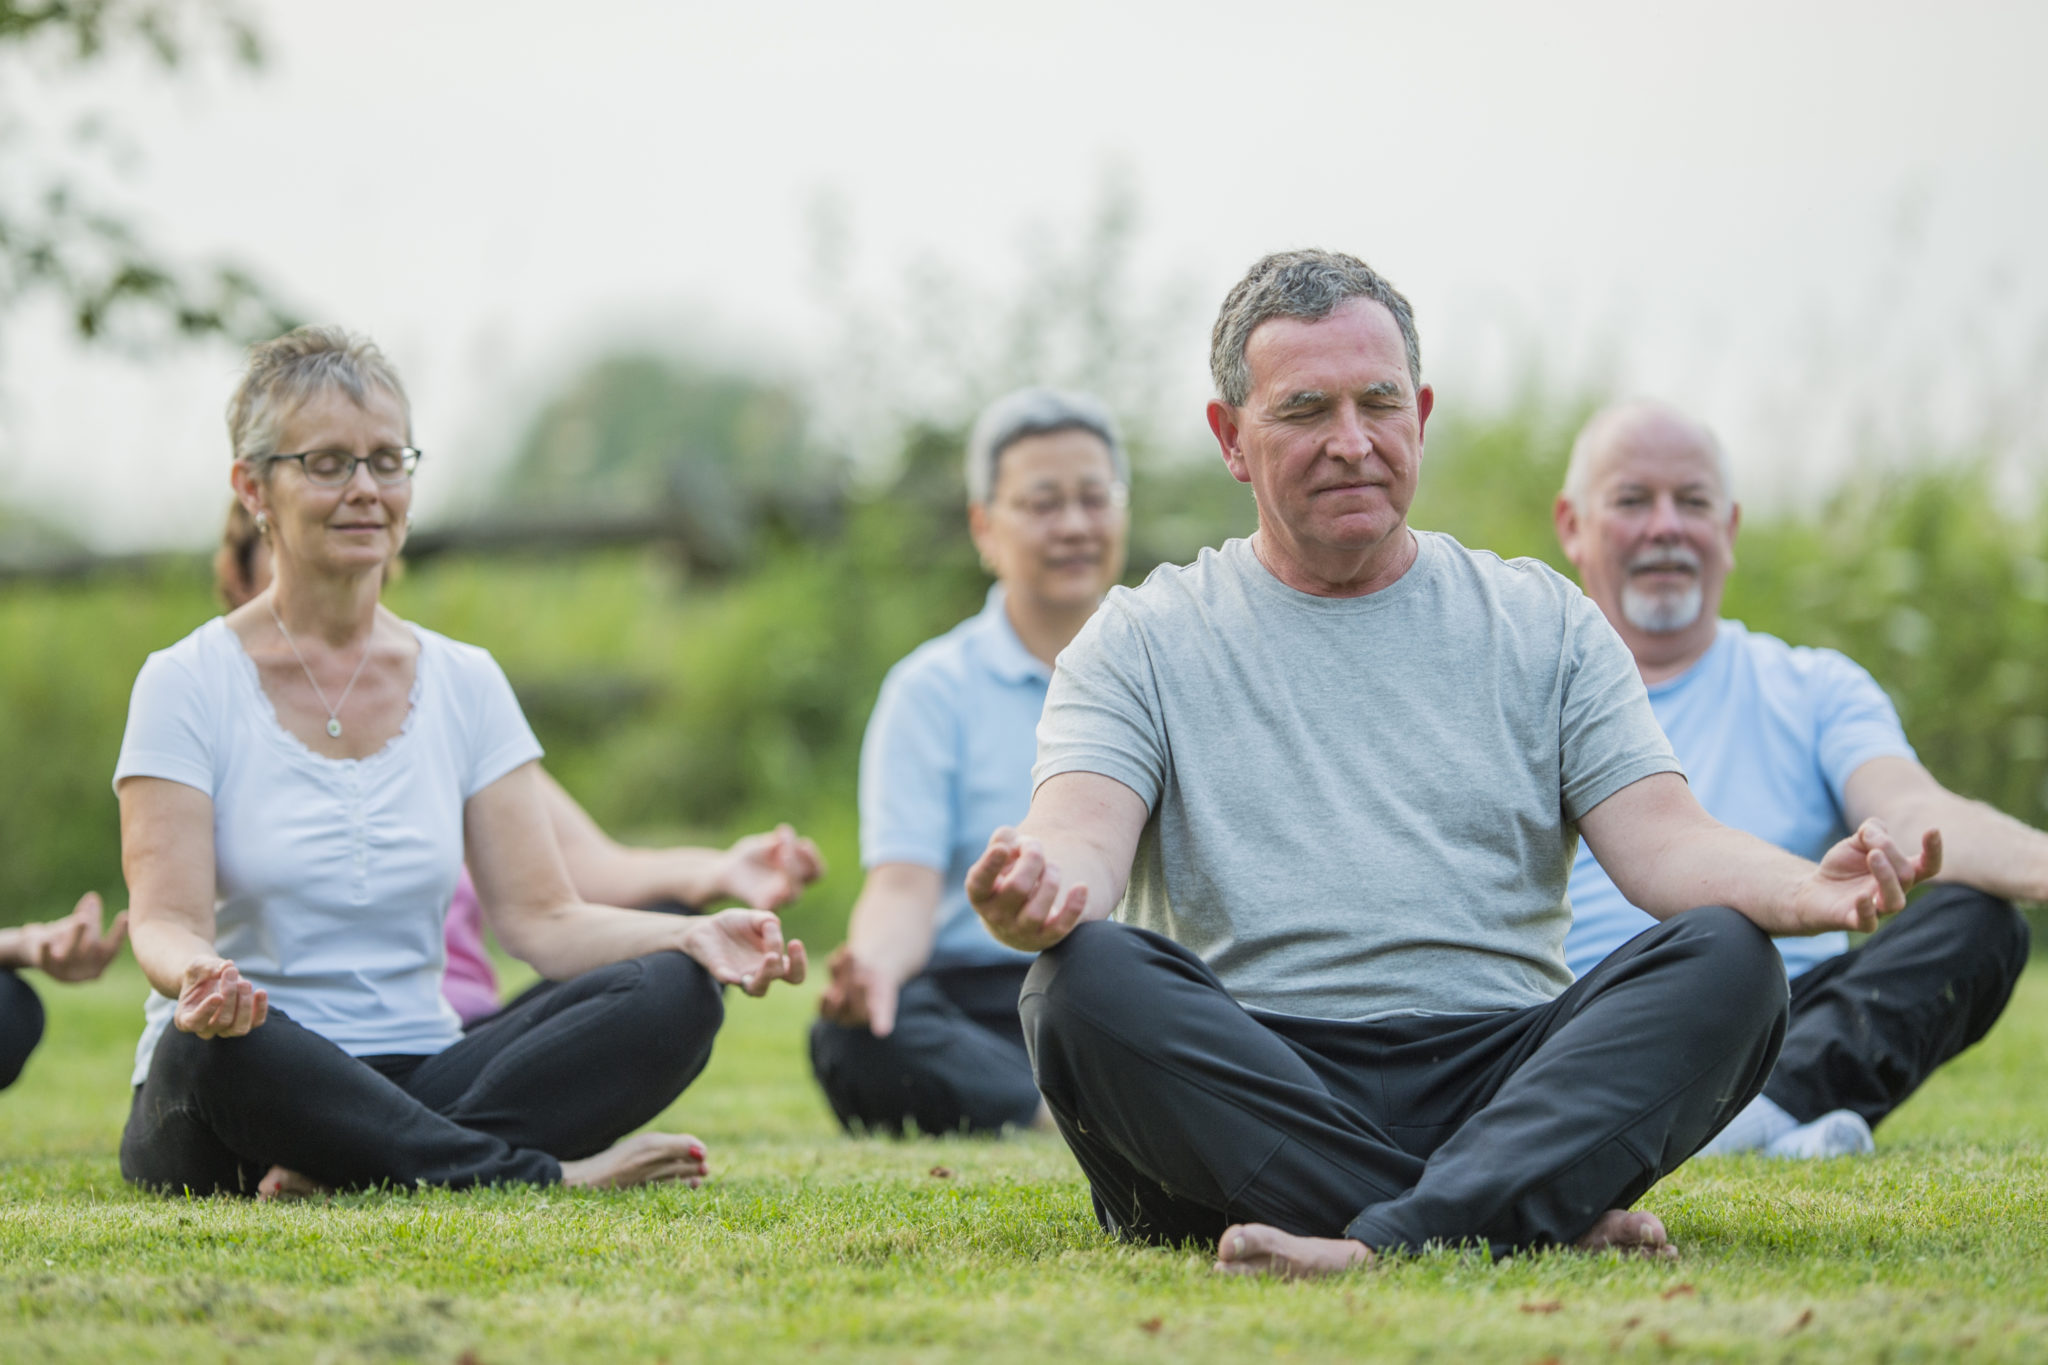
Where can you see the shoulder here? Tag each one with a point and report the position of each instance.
(941, 668)
(1522, 580)
(466, 664)
(200, 661)
(1814, 670)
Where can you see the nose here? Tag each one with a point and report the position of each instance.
(1349, 440)
(361, 482)
(1665, 522)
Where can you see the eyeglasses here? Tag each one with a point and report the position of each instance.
(333, 468)
(1096, 502)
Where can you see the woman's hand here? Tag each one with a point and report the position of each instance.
(72, 948)
(217, 1003)
(745, 948)
(768, 871)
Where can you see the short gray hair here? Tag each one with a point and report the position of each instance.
(1601, 426)
(1298, 284)
(286, 371)
(1036, 412)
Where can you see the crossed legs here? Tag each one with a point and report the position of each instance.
(550, 1082)
(1525, 1128)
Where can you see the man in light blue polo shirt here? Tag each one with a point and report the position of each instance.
(1794, 745)
(919, 1022)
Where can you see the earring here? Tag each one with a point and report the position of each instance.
(262, 523)
(408, 521)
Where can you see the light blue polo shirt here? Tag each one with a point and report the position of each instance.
(947, 760)
(1768, 734)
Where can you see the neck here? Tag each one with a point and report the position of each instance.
(1663, 655)
(339, 610)
(1045, 630)
(1345, 573)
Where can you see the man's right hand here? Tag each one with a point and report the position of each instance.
(1018, 893)
(860, 994)
(217, 1003)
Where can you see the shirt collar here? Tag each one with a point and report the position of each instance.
(1001, 651)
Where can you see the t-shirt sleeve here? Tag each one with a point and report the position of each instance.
(1854, 721)
(910, 770)
(499, 737)
(1102, 712)
(171, 731)
(1608, 736)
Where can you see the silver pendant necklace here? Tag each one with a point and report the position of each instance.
(334, 711)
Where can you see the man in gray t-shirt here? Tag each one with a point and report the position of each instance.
(1332, 779)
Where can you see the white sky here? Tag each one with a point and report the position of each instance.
(1799, 219)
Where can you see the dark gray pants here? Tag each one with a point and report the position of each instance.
(1870, 1025)
(955, 1061)
(1187, 1113)
(21, 1026)
(556, 1078)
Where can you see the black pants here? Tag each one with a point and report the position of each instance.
(1870, 1025)
(955, 1060)
(21, 1026)
(1187, 1113)
(557, 1078)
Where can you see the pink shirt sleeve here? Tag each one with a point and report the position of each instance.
(469, 984)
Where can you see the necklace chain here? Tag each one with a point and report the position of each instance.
(334, 711)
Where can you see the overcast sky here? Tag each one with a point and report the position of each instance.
(1793, 218)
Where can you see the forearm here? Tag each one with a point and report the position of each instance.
(892, 933)
(568, 939)
(14, 949)
(165, 948)
(607, 873)
(1982, 845)
(1708, 863)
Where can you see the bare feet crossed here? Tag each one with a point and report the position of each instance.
(1632, 1233)
(1255, 1249)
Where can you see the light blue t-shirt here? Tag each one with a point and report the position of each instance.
(947, 760)
(1769, 734)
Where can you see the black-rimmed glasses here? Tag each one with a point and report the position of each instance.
(333, 468)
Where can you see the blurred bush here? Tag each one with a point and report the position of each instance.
(687, 709)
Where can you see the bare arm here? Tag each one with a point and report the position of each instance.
(1982, 845)
(1066, 863)
(767, 871)
(523, 885)
(1667, 855)
(167, 856)
(888, 941)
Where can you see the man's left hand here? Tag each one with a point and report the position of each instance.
(1862, 879)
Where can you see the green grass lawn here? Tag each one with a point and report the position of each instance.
(810, 1246)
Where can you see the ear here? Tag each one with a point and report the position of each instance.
(982, 534)
(1564, 516)
(1425, 404)
(1223, 421)
(248, 487)
(1734, 525)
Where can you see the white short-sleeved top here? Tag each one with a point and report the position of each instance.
(332, 876)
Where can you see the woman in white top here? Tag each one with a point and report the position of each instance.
(299, 784)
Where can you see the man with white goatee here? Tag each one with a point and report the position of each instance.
(1796, 746)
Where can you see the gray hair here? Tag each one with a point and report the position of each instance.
(286, 371)
(1298, 284)
(1605, 424)
(1036, 412)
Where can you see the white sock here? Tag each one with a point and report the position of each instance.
(1839, 1132)
(1758, 1125)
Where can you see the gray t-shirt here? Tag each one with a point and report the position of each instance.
(1359, 806)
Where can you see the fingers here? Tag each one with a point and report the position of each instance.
(1928, 863)
(1873, 836)
(799, 966)
(89, 909)
(117, 934)
(881, 1005)
(994, 861)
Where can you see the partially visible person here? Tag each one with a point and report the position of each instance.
(765, 871)
(70, 949)
(300, 783)
(919, 1022)
(1798, 746)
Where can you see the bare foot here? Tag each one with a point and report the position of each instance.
(1255, 1249)
(280, 1184)
(643, 1159)
(1632, 1233)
